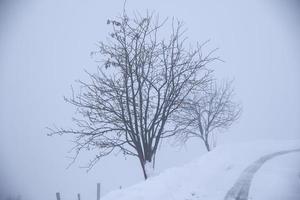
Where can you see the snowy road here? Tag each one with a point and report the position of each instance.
(242, 171)
(241, 188)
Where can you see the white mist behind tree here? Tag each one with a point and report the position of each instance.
(46, 44)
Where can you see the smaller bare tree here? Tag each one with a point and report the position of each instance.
(208, 112)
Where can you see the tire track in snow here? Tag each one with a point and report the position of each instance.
(240, 190)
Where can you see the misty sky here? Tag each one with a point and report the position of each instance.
(45, 46)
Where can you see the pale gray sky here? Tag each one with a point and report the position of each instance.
(45, 46)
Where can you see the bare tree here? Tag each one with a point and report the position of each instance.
(209, 111)
(140, 83)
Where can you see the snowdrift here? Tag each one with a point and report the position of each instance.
(210, 177)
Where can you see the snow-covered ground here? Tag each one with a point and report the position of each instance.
(214, 174)
(278, 179)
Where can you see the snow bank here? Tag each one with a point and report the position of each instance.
(209, 177)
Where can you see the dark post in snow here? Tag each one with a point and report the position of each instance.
(98, 191)
(78, 196)
(57, 196)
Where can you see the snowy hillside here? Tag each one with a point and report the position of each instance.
(225, 171)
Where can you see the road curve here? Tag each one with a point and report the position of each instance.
(240, 190)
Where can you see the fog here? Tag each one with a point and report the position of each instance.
(46, 45)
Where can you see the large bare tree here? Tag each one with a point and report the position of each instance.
(142, 80)
(209, 111)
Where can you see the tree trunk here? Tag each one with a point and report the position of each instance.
(143, 168)
(207, 145)
(147, 167)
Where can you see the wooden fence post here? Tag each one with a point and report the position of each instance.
(98, 191)
(57, 196)
(78, 196)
